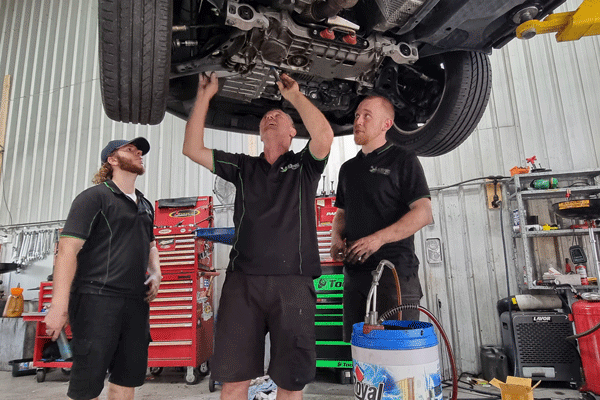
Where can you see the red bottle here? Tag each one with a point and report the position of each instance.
(568, 268)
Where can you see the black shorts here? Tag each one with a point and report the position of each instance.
(251, 306)
(357, 284)
(109, 334)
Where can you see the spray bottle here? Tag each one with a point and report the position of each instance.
(63, 346)
(14, 303)
(583, 273)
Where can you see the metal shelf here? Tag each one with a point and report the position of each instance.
(526, 179)
(555, 232)
(527, 194)
(552, 287)
(520, 196)
(576, 191)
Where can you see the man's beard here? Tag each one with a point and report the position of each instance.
(361, 139)
(126, 165)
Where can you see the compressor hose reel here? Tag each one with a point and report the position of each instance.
(374, 323)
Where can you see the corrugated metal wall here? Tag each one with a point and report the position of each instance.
(544, 102)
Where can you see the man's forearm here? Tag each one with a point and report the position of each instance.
(338, 226)
(315, 122)
(409, 224)
(154, 262)
(193, 142)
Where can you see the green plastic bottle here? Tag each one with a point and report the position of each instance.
(551, 183)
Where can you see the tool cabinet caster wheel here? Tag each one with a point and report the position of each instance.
(156, 371)
(345, 376)
(211, 385)
(204, 368)
(66, 371)
(192, 376)
(40, 375)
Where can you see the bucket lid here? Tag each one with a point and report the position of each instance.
(397, 335)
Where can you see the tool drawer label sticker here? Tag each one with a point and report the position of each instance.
(573, 204)
(184, 213)
(389, 382)
(330, 282)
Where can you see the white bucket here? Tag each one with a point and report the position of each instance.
(400, 362)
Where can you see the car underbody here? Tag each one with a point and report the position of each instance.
(429, 57)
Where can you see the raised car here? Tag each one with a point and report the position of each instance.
(429, 57)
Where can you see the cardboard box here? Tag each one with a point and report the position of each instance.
(515, 388)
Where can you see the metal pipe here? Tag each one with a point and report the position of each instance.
(371, 315)
(594, 248)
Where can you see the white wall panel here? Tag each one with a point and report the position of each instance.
(544, 101)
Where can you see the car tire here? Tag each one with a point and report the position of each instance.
(466, 91)
(135, 58)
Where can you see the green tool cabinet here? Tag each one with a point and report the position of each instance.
(332, 351)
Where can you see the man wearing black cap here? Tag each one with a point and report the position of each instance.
(106, 272)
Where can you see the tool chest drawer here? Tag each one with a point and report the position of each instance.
(181, 320)
(172, 311)
(183, 252)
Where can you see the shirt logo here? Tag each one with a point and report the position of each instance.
(382, 171)
(289, 166)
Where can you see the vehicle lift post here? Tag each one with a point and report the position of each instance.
(568, 25)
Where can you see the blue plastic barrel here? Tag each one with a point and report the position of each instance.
(398, 362)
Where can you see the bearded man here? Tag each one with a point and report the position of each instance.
(106, 273)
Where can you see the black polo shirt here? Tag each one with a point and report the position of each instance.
(274, 215)
(117, 234)
(375, 190)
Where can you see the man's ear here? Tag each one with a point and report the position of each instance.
(388, 124)
(112, 160)
(293, 132)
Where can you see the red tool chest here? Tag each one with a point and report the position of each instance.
(181, 316)
(42, 341)
(325, 211)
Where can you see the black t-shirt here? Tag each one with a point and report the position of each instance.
(117, 234)
(274, 215)
(375, 191)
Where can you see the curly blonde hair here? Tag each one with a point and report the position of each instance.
(104, 173)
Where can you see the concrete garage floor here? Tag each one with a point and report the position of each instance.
(170, 385)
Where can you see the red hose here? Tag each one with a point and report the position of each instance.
(446, 341)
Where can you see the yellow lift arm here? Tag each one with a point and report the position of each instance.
(569, 25)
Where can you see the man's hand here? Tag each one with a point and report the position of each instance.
(153, 282)
(338, 250)
(208, 86)
(56, 319)
(288, 87)
(363, 248)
